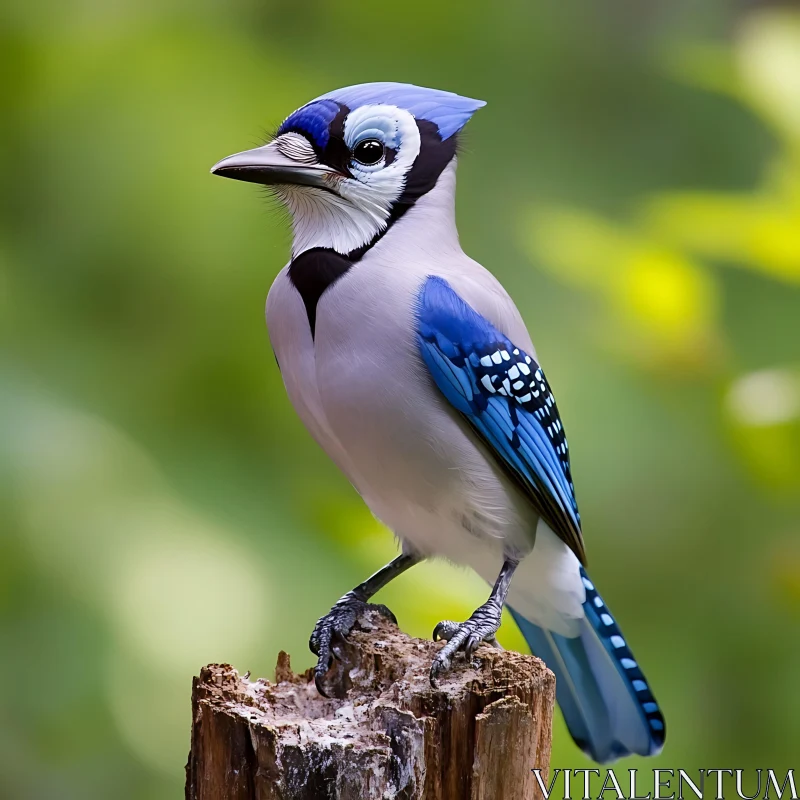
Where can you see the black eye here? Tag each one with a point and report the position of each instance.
(368, 152)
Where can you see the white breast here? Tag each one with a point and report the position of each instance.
(365, 394)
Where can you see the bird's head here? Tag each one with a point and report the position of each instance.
(351, 162)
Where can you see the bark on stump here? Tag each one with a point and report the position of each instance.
(385, 734)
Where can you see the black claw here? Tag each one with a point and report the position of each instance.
(445, 630)
(386, 611)
(318, 678)
(437, 667)
(331, 632)
(465, 637)
(470, 646)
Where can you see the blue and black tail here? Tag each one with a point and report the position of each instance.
(606, 701)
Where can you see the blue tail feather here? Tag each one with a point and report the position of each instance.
(604, 697)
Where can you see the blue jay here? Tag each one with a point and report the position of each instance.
(412, 368)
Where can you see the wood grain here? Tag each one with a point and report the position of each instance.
(385, 733)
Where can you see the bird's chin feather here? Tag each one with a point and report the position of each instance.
(343, 222)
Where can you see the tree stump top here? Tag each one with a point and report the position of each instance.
(384, 733)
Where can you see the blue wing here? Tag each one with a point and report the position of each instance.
(504, 395)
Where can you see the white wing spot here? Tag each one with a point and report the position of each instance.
(496, 357)
(524, 369)
(513, 373)
(486, 361)
(487, 382)
(617, 641)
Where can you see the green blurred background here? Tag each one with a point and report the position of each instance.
(635, 183)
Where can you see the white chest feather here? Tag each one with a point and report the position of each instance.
(363, 391)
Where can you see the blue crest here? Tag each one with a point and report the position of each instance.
(448, 111)
(314, 119)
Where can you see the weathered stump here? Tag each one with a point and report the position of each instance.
(385, 734)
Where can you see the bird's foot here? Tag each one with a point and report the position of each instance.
(332, 629)
(480, 627)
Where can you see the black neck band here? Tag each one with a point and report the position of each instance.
(314, 270)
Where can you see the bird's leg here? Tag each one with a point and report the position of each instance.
(480, 627)
(338, 622)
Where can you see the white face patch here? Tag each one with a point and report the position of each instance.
(359, 209)
(376, 187)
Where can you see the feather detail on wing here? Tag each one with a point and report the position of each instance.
(503, 394)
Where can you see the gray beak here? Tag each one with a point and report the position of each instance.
(267, 165)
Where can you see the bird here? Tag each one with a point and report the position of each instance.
(411, 366)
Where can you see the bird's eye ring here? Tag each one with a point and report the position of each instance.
(368, 152)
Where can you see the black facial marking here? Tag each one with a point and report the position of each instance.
(389, 155)
(336, 153)
(312, 272)
(434, 156)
